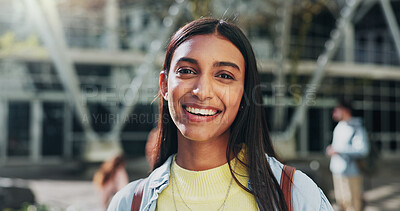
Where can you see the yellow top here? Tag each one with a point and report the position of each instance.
(206, 190)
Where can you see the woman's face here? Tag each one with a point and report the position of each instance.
(204, 87)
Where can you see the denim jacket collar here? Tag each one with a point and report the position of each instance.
(161, 174)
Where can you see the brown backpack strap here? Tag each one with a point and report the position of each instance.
(137, 196)
(287, 185)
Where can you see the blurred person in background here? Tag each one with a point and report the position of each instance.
(151, 147)
(110, 178)
(349, 143)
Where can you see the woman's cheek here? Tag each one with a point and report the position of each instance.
(234, 96)
(175, 88)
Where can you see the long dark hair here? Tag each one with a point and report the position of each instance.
(249, 127)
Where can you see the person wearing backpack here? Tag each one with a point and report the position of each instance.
(349, 144)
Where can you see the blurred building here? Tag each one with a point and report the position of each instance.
(78, 78)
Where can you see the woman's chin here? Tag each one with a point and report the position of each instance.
(203, 134)
(196, 135)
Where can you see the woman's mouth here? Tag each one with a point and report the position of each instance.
(201, 111)
(197, 114)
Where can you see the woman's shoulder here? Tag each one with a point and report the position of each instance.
(306, 193)
(158, 179)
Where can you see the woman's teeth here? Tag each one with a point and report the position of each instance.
(199, 111)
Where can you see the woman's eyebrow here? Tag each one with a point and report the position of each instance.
(229, 64)
(187, 59)
(216, 64)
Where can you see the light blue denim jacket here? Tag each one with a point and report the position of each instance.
(307, 195)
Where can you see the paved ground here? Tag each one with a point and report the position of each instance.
(383, 190)
(69, 187)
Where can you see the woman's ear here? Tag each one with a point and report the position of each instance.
(164, 85)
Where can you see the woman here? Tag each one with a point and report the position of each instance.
(214, 151)
(110, 178)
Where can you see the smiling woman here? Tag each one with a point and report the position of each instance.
(214, 151)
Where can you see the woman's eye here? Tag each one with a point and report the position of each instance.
(185, 71)
(225, 76)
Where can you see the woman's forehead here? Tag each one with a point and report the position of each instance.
(204, 47)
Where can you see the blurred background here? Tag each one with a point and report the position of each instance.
(78, 81)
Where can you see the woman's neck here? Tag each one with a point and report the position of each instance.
(201, 155)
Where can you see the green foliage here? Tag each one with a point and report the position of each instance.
(200, 8)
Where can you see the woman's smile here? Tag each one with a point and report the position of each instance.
(197, 113)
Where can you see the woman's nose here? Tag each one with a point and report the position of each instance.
(203, 88)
